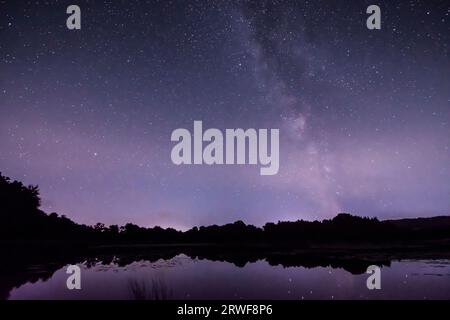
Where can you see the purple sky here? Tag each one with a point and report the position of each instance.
(363, 115)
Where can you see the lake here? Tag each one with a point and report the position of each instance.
(185, 277)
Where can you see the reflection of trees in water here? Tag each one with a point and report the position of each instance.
(15, 269)
(143, 289)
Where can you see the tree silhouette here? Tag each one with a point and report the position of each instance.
(21, 220)
(15, 197)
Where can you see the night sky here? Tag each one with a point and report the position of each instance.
(363, 114)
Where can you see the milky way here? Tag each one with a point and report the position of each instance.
(363, 114)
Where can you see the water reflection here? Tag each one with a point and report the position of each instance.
(278, 276)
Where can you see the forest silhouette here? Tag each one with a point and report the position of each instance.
(22, 221)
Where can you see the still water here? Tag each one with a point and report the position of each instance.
(183, 277)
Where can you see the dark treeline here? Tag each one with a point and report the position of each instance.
(21, 220)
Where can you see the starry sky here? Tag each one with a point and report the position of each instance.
(363, 114)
